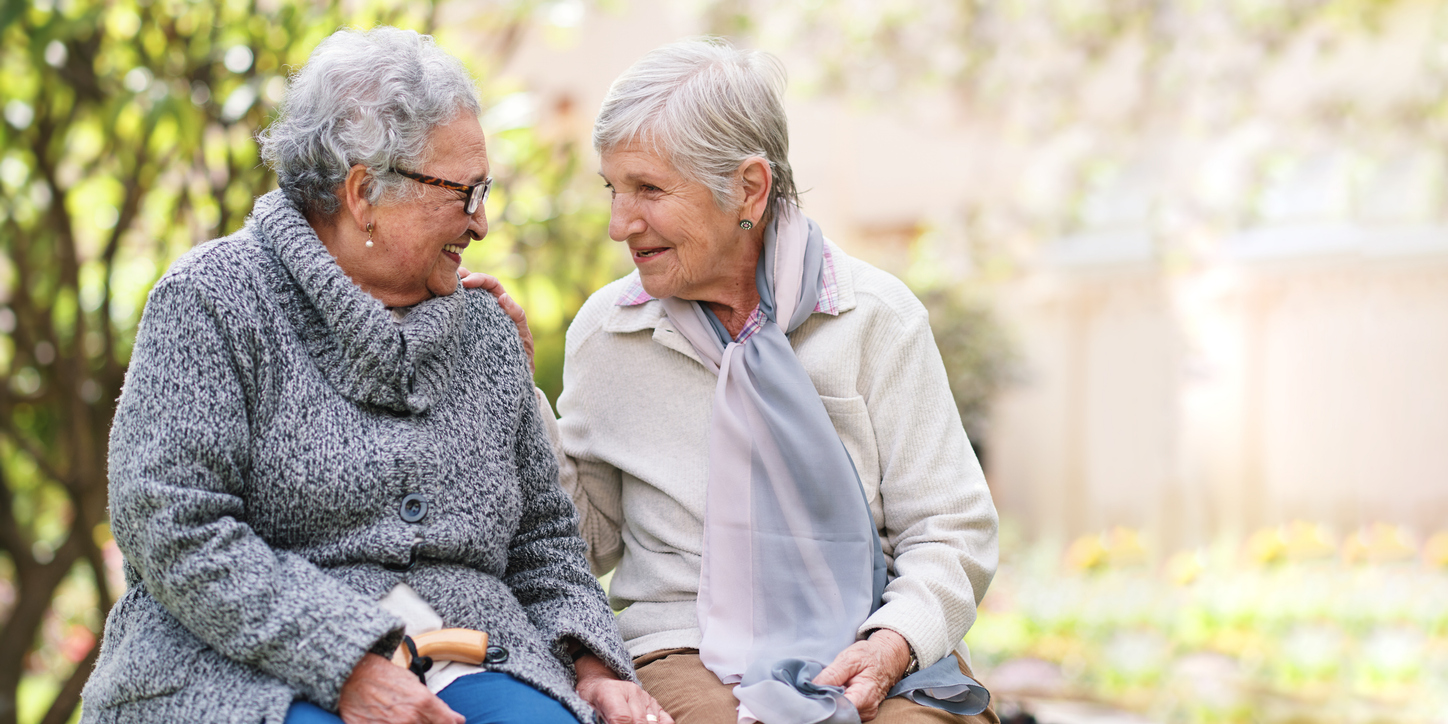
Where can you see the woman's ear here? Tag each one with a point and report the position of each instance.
(757, 179)
(354, 195)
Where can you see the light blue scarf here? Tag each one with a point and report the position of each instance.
(792, 564)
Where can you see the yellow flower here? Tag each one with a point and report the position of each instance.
(1267, 546)
(1086, 553)
(1124, 547)
(1184, 567)
(1435, 553)
(1379, 543)
(1308, 541)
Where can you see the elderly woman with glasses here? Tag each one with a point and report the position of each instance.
(325, 449)
(758, 432)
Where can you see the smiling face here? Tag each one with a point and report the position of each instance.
(418, 240)
(682, 243)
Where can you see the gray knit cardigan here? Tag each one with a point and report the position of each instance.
(273, 419)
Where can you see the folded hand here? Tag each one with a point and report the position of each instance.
(617, 701)
(867, 670)
(380, 692)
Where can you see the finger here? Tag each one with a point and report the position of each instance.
(836, 674)
(641, 706)
(866, 698)
(511, 306)
(476, 280)
(519, 317)
(658, 711)
(612, 705)
(833, 675)
(435, 711)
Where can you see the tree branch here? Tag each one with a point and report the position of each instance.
(68, 699)
(12, 539)
(33, 451)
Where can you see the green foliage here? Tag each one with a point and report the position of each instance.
(547, 240)
(980, 356)
(127, 139)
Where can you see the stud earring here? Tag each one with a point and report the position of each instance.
(369, 235)
(746, 224)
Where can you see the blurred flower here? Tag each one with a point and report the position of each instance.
(1266, 546)
(1296, 541)
(1117, 548)
(1379, 543)
(1435, 553)
(1086, 553)
(1184, 567)
(1125, 547)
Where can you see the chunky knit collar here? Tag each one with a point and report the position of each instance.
(353, 339)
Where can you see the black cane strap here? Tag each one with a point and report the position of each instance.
(418, 664)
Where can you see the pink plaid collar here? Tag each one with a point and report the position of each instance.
(633, 294)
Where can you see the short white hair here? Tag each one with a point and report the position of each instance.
(370, 97)
(707, 107)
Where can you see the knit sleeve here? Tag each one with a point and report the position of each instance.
(178, 479)
(939, 521)
(596, 489)
(546, 567)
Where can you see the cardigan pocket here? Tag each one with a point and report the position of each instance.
(851, 419)
(149, 653)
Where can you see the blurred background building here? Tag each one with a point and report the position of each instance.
(1215, 230)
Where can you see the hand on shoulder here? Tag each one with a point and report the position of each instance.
(490, 283)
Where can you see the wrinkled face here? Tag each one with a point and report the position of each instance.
(418, 240)
(682, 243)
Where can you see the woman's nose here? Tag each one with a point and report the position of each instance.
(478, 224)
(623, 221)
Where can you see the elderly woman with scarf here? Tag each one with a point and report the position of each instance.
(323, 444)
(758, 431)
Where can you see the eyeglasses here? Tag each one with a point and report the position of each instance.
(476, 194)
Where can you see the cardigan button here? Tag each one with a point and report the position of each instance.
(496, 655)
(414, 507)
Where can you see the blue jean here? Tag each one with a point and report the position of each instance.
(490, 697)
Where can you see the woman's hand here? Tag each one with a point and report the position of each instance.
(616, 700)
(380, 692)
(474, 280)
(867, 670)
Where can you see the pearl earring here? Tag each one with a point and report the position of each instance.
(746, 224)
(369, 235)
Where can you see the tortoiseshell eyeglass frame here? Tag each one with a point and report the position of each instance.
(476, 194)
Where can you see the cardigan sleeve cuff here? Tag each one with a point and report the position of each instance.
(325, 658)
(608, 648)
(921, 625)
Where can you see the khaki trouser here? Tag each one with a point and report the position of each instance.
(693, 695)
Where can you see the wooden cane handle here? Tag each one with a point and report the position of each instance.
(449, 644)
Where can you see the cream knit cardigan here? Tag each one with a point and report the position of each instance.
(632, 445)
